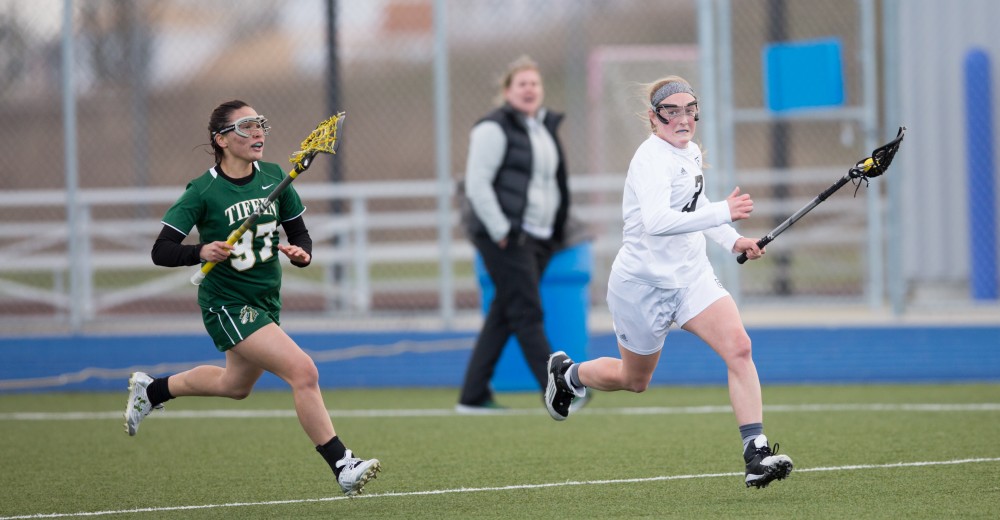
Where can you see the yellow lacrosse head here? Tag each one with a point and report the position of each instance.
(324, 139)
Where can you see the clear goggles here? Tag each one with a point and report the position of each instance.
(247, 126)
(672, 112)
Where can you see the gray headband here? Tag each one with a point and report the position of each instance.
(669, 89)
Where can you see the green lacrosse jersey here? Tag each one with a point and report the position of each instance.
(252, 274)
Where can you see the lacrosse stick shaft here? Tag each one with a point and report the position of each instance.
(798, 214)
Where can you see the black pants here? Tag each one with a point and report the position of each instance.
(516, 272)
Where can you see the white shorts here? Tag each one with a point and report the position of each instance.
(642, 314)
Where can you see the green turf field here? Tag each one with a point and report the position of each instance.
(902, 451)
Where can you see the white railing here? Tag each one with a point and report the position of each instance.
(344, 244)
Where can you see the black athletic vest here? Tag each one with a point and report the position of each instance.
(514, 175)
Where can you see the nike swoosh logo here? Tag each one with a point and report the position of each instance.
(266, 187)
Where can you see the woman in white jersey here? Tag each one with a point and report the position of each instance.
(662, 276)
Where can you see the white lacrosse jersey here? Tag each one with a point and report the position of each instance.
(667, 217)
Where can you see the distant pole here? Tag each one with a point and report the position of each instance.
(442, 159)
(138, 55)
(333, 98)
(777, 31)
(983, 278)
(75, 246)
(333, 104)
(894, 186)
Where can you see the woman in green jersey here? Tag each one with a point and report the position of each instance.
(240, 298)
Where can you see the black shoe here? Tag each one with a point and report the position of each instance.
(559, 394)
(763, 465)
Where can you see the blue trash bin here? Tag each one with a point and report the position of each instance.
(565, 302)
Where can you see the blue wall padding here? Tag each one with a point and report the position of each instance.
(782, 355)
(984, 278)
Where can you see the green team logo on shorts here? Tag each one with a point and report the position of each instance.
(248, 314)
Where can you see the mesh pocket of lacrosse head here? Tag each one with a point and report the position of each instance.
(882, 156)
(322, 140)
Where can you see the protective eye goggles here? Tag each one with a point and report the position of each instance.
(247, 126)
(668, 113)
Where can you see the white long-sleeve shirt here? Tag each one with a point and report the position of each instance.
(487, 146)
(667, 217)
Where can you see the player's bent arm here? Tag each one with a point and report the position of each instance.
(168, 251)
(298, 235)
(660, 220)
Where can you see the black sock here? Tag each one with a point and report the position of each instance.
(158, 391)
(332, 452)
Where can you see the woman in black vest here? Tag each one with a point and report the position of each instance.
(516, 186)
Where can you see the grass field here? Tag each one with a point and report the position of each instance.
(901, 451)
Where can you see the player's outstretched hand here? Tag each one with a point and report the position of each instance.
(295, 253)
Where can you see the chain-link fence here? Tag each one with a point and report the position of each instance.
(106, 121)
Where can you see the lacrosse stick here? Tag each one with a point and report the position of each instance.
(865, 169)
(324, 139)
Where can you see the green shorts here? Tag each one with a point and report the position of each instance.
(231, 324)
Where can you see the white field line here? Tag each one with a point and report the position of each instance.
(446, 412)
(375, 496)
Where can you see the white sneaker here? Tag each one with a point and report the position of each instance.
(138, 406)
(355, 473)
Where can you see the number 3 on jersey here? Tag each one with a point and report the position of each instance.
(243, 257)
(699, 184)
